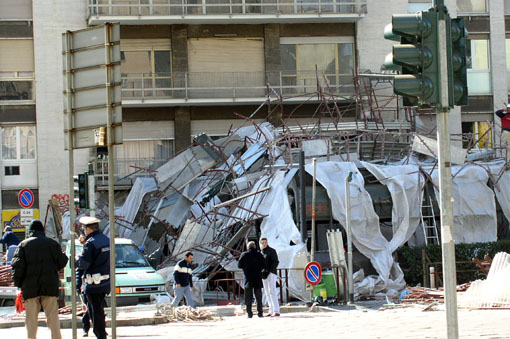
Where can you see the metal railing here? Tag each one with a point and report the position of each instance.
(16, 87)
(126, 170)
(219, 7)
(233, 85)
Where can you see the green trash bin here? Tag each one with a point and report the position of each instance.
(320, 290)
(328, 279)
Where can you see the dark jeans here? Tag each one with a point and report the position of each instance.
(95, 304)
(85, 320)
(248, 298)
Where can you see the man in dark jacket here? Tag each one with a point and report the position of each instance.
(183, 280)
(252, 264)
(95, 265)
(270, 277)
(35, 268)
(9, 238)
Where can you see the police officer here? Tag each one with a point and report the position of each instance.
(94, 262)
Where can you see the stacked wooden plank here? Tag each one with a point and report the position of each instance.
(5, 276)
(423, 295)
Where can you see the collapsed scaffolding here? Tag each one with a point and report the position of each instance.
(213, 196)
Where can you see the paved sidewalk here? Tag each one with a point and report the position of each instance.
(364, 321)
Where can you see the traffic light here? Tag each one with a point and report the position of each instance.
(81, 190)
(418, 55)
(457, 41)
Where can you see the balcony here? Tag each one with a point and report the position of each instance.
(147, 12)
(196, 88)
(16, 88)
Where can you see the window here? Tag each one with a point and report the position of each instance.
(300, 57)
(18, 143)
(479, 77)
(146, 65)
(471, 6)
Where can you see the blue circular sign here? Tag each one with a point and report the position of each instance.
(26, 198)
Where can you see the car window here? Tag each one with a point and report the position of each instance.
(128, 255)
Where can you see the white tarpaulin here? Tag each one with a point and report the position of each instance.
(474, 206)
(366, 232)
(502, 186)
(278, 226)
(405, 184)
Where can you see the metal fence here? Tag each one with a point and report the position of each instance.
(17, 86)
(218, 7)
(233, 85)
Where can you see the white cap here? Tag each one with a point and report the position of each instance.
(507, 105)
(89, 221)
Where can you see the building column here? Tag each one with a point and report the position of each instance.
(498, 61)
(179, 43)
(182, 128)
(272, 64)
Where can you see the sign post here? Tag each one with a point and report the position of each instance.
(93, 105)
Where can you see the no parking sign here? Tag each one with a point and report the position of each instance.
(313, 273)
(26, 198)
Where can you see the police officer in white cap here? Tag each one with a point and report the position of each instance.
(94, 262)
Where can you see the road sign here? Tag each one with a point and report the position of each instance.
(92, 85)
(313, 273)
(26, 198)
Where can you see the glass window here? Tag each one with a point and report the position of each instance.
(471, 6)
(18, 143)
(479, 51)
(478, 76)
(9, 147)
(418, 6)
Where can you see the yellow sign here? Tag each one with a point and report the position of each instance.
(12, 218)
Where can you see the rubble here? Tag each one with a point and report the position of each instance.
(6, 276)
(186, 314)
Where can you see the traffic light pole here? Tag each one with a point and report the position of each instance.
(445, 189)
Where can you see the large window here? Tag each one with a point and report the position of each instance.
(18, 143)
(146, 67)
(333, 58)
(472, 6)
(479, 77)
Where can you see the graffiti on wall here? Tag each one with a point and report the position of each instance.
(63, 201)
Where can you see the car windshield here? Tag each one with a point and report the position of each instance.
(128, 255)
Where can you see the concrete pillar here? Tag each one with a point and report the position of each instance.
(51, 18)
(182, 128)
(272, 63)
(179, 58)
(498, 60)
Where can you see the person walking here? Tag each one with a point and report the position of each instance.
(9, 238)
(94, 262)
(252, 263)
(269, 277)
(183, 281)
(35, 268)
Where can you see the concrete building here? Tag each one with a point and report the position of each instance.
(198, 66)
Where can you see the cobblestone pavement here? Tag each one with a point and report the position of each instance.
(410, 322)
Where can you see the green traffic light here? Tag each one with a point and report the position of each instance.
(411, 25)
(414, 86)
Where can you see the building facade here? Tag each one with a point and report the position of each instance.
(192, 66)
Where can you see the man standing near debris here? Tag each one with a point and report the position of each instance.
(183, 280)
(35, 269)
(94, 262)
(504, 115)
(252, 263)
(9, 238)
(271, 259)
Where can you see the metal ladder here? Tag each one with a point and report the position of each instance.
(428, 220)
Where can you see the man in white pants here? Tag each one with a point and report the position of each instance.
(269, 278)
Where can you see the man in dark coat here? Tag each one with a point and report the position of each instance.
(252, 264)
(270, 277)
(94, 262)
(183, 281)
(35, 268)
(9, 238)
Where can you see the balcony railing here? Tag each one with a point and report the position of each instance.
(126, 170)
(233, 85)
(16, 87)
(183, 8)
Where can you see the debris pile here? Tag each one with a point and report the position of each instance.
(186, 314)
(6, 276)
(423, 295)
